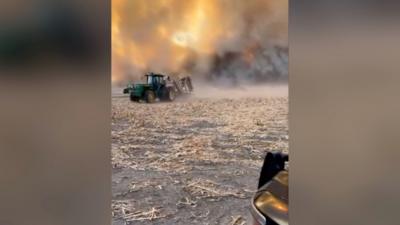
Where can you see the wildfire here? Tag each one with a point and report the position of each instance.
(168, 35)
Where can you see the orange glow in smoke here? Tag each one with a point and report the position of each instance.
(161, 34)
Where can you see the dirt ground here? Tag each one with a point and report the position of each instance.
(195, 160)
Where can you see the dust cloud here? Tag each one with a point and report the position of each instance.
(229, 40)
(205, 90)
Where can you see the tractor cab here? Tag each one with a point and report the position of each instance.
(155, 80)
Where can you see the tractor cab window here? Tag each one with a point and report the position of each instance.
(153, 80)
(158, 80)
(149, 79)
(161, 80)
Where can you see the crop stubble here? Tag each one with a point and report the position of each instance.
(194, 161)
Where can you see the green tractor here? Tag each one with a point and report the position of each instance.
(159, 87)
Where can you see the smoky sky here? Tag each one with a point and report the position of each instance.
(213, 39)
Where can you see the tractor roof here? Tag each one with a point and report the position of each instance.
(155, 75)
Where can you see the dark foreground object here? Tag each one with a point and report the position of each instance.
(269, 206)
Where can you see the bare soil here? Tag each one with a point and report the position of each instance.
(192, 161)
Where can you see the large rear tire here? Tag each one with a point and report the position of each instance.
(171, 95)
(150, 97)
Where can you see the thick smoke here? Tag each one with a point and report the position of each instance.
(223, 41)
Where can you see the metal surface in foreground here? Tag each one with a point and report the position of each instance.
(272, 201)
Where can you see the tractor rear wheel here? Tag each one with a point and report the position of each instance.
(150, 97)
(171, 95)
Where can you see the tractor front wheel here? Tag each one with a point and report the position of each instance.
(150, 97)
(134, 98)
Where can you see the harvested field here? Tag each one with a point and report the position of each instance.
(192, 161)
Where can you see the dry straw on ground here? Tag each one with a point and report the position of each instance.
(192, 157)
(209, 189)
